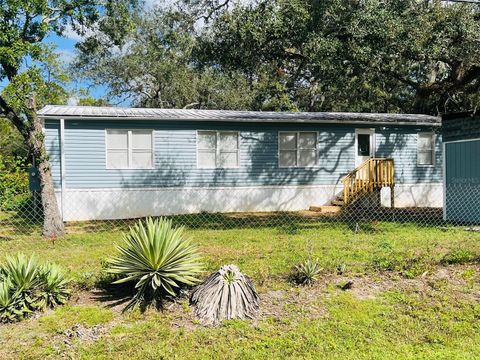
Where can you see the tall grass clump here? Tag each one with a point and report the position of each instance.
(158, 259)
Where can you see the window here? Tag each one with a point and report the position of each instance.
(217, 149)
(425, 149)
(297, 149)
(129, 149)
(363, 144)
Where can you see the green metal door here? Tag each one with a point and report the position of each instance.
(462, 181)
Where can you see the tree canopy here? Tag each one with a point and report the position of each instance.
(33, 75)
(312, 55)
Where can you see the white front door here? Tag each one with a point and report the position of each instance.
(364, 145)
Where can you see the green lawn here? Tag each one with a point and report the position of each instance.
(415, 296)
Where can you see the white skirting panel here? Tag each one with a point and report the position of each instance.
(415, 195)
(96, 204)
(102, 204)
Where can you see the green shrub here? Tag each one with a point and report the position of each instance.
(158, 259)
(14, 188)
(306, 273)
(27, 286)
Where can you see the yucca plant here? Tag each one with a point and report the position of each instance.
(158, 258)
(226, 294)
(306, 273)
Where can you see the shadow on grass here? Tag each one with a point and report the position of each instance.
(289, 221)
(353, 218)
(114, 295)
(25, 220)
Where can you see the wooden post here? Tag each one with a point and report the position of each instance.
(392, 196)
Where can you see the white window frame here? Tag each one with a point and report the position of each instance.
(434, 139)
(130, 149)
(217, 149)
(297, 135)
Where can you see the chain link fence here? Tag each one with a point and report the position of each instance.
(115, 211)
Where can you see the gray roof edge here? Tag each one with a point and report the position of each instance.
(92, 112)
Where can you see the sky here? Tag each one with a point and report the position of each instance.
(65, 47)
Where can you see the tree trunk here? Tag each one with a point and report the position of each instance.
(52, 221)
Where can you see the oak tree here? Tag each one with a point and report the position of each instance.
(24, 59)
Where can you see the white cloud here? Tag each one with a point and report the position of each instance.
(71, 34)
(66, 56)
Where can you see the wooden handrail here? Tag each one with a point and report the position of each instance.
(371, 175)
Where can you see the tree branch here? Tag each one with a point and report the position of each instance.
(8, 112)
(209, 15)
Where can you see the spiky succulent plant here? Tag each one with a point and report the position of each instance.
(27, 286)
(225, 294)
(306, 273)
(158, 258)
(55, 287)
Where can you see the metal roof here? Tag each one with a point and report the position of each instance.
(105, 112)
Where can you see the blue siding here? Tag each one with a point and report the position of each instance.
(52, 144)
(401, 145)
(175, 155)
(462, 180)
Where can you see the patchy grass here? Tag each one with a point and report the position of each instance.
(65, 317)
(414, 296)
(266, 253)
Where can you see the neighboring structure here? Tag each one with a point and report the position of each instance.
(461, 133)
(123, 163)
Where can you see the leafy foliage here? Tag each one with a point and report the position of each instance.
(153, 68)
(158, 259)
(385, 56)
(24, 26)
(306, 273)
(400, 56)
(27, 286)
(226, 294)
(14, 189)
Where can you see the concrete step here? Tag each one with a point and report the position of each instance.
(326, 209)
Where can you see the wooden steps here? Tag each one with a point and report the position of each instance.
(371, 176)
(327, 209)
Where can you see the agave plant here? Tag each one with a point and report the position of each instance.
(225, 294)
(54, 287)
(9, 303)
(26, 286)
(22, 273)
(306, 273)
(158, 258)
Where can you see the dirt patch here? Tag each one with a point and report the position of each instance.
(83, 334)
